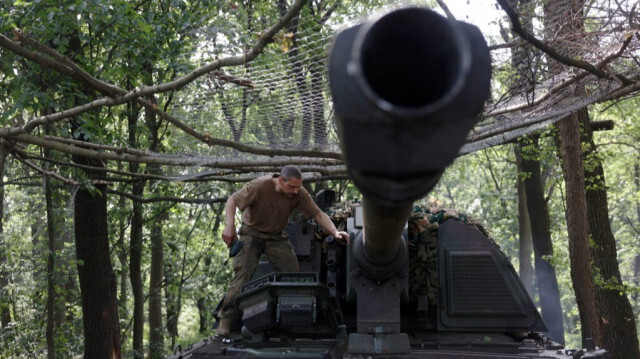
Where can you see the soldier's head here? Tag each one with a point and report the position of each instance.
(290, 180)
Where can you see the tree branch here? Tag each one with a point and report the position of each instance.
(446, 10)
(518, 29)
(221, 75)
(46, 173)
(154, 158)
(119, 96)
(167, 198)
(566, 82)
(318, 173)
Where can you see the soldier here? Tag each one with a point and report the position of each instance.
(267, 203)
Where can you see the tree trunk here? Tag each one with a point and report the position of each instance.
(135, 273)
(135, 251)
(564, 26)
(171, 288)
(173, 308)
(5, 309)
(525, 243)
(578, 228)
(135, 241)
(68, 276)
(121, 251)
(532, 204)
(156, 332)
(51, 244)
(519, 83)
(55, 304)
(63, 263)
(97, 279)
(204, 310)
(618, 321)
(636, 259)
(546, 279)
(156, 335)
(204, 319)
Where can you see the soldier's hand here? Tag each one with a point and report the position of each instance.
(342, 236)
(229, 235)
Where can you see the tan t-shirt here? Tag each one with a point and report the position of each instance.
(268, 211)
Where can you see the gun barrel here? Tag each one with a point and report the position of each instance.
(407, 88)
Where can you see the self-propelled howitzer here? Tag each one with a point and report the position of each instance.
(406, 84)
(407, 88)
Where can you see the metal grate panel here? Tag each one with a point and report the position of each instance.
(478, 288)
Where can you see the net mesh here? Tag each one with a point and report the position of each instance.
(277, 109)
(285, 102)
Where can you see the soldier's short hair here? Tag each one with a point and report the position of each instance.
(290, 171)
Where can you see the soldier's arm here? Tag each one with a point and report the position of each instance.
(325, 222)
(229, 232)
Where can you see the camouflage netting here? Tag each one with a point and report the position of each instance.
(423, 247)
(288, 106)
(422, 233)
(232, 123)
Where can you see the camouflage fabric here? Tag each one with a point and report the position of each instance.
(339, 213)
(423, 247)
(279, 251)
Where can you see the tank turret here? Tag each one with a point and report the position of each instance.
(405, 84)
(408, 83)
(407, 87)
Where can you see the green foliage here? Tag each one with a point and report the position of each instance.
(484, 186)
(131, 44)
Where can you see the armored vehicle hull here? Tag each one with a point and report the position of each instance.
(480, 309)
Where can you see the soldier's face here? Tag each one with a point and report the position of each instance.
(291, 187)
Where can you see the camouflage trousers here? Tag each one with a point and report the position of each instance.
(279, 251)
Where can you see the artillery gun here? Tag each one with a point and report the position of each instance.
(405, 84)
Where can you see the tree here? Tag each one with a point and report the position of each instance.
(525, 250)
(5, 312)
(97, 279)
(579, 211)
(538, 212)
(218, 79)
(565, 25)
(535, 211)
(578, 228)
(156, 330)
(51, 249)
(135, 245)
(618, 321)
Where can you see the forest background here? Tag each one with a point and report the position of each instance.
(125, 126)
